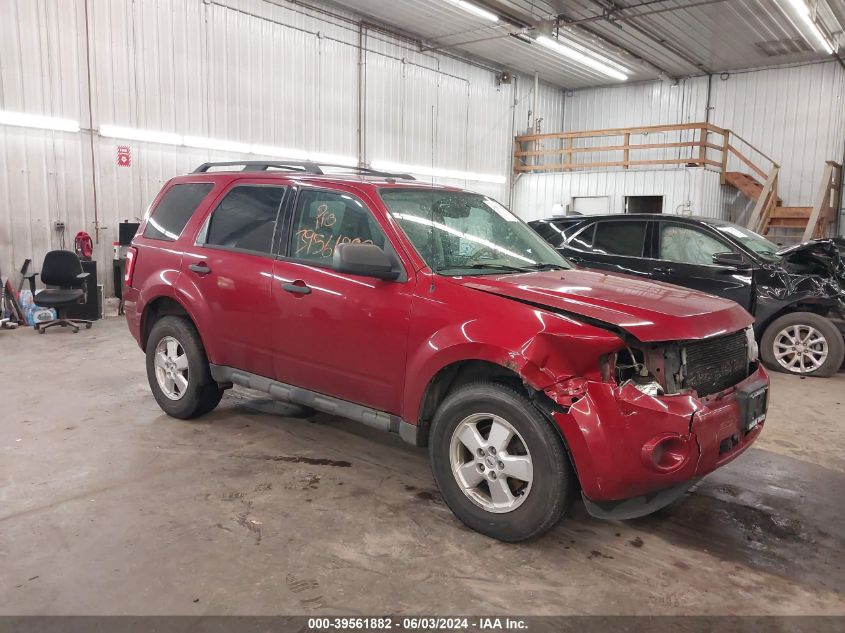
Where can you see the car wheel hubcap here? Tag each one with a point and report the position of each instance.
(491, 463)
(171, 366)
(800, 349)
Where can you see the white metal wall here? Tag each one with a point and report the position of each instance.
(268, 72)
(794, 115)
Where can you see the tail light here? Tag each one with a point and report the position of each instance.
(131, 255)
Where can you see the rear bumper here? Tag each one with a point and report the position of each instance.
(627, 446)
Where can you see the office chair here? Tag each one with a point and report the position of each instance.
(62, 269)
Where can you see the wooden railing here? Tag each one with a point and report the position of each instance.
(826, 205)
(684, 144)
(692, 144)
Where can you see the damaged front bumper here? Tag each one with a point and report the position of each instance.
(635, 453)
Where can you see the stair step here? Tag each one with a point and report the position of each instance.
(745, 183)
(792, 212)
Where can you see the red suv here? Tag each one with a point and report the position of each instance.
(435, 313)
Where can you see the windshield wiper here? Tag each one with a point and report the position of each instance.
(480, 266)
(547, 267)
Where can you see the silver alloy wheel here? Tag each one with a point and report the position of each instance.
(800, 349)
(171, 366)
(491, 463)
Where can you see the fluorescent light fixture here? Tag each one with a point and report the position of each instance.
(420, 170)
(803, 12)
(37, 121)
(218, 144)
(135, 134)
(278, 152)
(201, 142)
(333, 159)
(606, 67)
(469, 7)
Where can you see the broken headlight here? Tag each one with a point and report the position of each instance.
(753, 348)
(635, 373)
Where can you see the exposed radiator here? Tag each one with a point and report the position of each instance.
(717, 363)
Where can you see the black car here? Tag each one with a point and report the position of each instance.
(797, 295)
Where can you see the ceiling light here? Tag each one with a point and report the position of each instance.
(803, 12)
(435, 172)
(218, 144)
(278, 152)
(469, 7)
(605, 67)
(37, 121)
(135, 134)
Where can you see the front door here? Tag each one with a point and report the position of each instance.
(684, 256)
(230, 269)
(334, 333)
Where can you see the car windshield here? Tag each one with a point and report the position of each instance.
(749, 239)
(460, 233)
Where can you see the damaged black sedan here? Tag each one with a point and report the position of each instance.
(796, 294)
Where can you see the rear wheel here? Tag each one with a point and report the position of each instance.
(498, 463)
(178, 371)
(803, 343)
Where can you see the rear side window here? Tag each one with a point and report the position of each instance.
(175, 209)
(620, 238)
(246, 218)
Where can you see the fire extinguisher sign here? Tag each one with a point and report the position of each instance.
(124, 156)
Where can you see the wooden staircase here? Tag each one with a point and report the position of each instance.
(746, 184)
(788, 225)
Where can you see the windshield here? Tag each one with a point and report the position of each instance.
(459, 233)
(749, 239)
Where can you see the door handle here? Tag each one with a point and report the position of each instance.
(201, 268)
(663, 270)
(574, 260)
(297, 289)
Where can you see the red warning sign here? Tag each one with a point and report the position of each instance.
(124, 156)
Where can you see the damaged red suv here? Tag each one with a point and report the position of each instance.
(435, 313)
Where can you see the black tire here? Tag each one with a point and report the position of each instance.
(835, 343)
(202, 393)
(553, 480)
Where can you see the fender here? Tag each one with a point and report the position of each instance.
(538, 356)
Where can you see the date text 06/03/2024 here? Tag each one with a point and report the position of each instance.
(418, 623)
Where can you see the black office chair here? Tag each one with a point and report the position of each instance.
(62, 269)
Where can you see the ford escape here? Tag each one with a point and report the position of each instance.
(437, 314)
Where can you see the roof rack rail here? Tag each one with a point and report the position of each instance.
(306, 167)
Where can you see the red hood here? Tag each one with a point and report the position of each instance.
(649, 310)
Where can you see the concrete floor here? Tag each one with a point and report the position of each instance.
(109, 507)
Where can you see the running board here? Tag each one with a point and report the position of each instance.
(327, 404)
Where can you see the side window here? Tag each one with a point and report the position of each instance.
(625, 238)
(246, 218)
(688, 245)
(324, 219)
(175, 209)
(583, 240)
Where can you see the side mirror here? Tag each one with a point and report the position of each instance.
(735, 260)
(367, 260)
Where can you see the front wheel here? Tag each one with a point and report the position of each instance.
(803, 343)
(498, 463)
(178, 371)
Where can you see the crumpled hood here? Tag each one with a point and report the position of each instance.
(651, 311)
(828, 252)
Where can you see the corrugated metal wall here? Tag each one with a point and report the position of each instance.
(794, 115)
(266, 72)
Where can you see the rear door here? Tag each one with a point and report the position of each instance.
(229, 269)
(618, 246)
(684, 256)
(334, 333)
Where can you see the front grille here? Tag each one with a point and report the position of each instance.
(717, 363)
